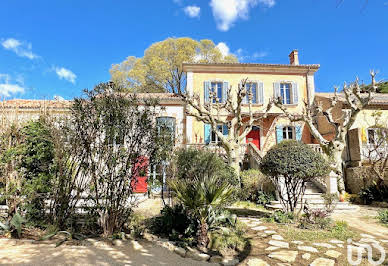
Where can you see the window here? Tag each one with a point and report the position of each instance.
(220, 128)
(216, 87)
(288, 133)
(251, 87)
(377, 136)
(285, 93)
(166, 125)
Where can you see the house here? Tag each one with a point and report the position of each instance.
(293, 82)
(363, 136)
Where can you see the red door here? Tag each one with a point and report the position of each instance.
(139, 181)
(254, 137)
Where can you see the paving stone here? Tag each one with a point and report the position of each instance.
(322, 262)
(230, 262)
(277, 237)
(367, 236)
(296, 242)
(256, 223)
(308, 249)
(335, 241)
(117, 243)
(262, 235)
(197, 256)
(284, 255)
(306, 256)
(368, 240)
(356, 249)
(271, 248)
(279, 244)
(259, 228)
(257, 262)
(216, 259)
(384, 240)
(325, 245)
(180, 251)
(333, 254)
(270, 232)
(283, 264)
(340, 245)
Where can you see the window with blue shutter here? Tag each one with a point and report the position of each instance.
(225, 89)
(285, 93)
(276, 90)
(279, 134)
(295, 93)
(206, 91)
(225, 129)
(207, 133)
(217, 88)
(251, 87)
(260, 93)
(298, 133)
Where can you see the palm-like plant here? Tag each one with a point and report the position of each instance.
(200, 197)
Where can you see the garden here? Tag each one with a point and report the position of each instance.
(69, 182)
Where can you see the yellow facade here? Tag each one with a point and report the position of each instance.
(268, 75)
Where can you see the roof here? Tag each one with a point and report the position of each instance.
(378, 98)
(35, 104)
(249, 67)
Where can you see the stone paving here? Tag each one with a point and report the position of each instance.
(280, 252)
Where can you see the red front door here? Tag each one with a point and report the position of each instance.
(254, 137)
(139, 181)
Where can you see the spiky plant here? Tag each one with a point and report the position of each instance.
(200, 197)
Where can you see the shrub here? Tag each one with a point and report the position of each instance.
(383, 216)
(315, 219)
(190, 164)
(281, 217)
(14, 226)
(290, 165)
(256, 187)
(225, 239)
(373, 193)
(175, 223)
(200, 197)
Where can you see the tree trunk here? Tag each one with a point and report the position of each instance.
(336, 153)
(234, 160)
(203, 239)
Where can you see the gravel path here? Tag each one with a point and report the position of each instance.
(135, 253)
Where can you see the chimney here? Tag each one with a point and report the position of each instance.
(294, 59)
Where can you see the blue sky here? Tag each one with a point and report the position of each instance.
(59, 47)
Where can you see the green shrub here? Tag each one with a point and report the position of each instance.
(373, 193)
(225, 239)
(281, 217)
(175, 223)
(383, 216)
(136, 225)
(256, 187)
(315, 219)
(290, 164)
(14, 226)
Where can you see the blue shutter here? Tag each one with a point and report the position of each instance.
(279, 134)
(225, 129)
(206, 90)
(295, 93)
(298, 133)
(225, 88)
(260, 93)
(276, 90)
(207, 135)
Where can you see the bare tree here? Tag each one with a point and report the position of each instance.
(230, 113)
(376, 152)
(354, 102)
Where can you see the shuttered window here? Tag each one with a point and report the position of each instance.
(219, 88)
(288, 92)
(211, 136)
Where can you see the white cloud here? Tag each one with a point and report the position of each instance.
(58, 98)
(224, 48)
(259, 55)
(65, 74)
(7, 88)
(192, 11)
(227, 12)
(20, 48)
